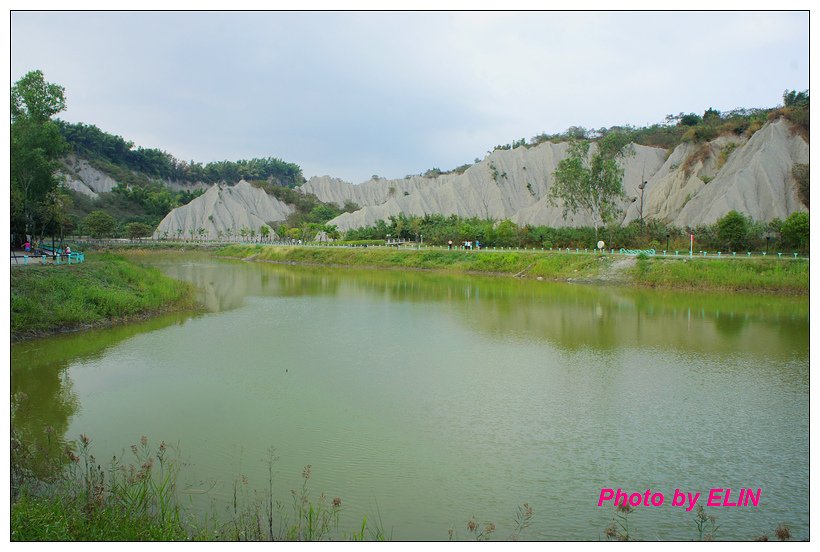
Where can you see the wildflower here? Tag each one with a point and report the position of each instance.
(489, 528)
(625, 508)
(610, 532)
(85, 440)
(472, 525)
(162, 446)
(337, 502)
(783, 533)
(134, 449)
(306, 472)
(49, 430)
(144, 441)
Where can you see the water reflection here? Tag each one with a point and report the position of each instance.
(568, 316)
(444, 396)
(42, 396)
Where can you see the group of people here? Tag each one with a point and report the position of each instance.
(467, 244)
(27, 247)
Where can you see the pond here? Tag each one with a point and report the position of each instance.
(425, 400)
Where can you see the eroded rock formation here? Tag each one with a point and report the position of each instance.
(223, 211)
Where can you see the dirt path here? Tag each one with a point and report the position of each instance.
(615, 273)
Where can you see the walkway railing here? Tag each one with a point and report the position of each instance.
(410, 244)
(46, 255)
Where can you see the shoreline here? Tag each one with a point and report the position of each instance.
(105, 291)
(786, 277)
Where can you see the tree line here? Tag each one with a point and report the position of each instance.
(734, 232)
(41, 206)
(38, 206)
(95, 144)
(689, 127)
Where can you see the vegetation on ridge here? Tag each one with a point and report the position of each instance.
(106, 149)
(690, 127)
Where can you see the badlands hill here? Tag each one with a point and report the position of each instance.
(224, 211)
(696, 184)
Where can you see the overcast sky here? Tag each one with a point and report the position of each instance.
(358, 93)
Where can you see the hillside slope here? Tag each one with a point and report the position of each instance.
(224, 211)
(696, 184)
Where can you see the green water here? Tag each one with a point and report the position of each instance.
(426, 399)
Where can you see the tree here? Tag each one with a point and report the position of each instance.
(733, 230)
(264, 231)
(690, 119)
(331, 231)
(711, 116)
(591, 183)
(137, 230)
(34, 99)
(793, 98)
(99, 224)
(294, 234)
(36, 144)
(506, 233)
(795, 231)
(53, 212)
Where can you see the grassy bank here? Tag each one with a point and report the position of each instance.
(137, 498)
(754, 275)
(531, 264)
(104, 289)
(760, 275)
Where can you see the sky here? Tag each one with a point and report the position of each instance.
(353, 94)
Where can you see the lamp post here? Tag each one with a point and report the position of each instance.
(388, 240)
(768, 237)
(667, 241)
(641, 187)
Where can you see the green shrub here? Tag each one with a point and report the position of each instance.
(733, 231)
(795, 231)
(800, 172)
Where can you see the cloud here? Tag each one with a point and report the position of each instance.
(398, 93)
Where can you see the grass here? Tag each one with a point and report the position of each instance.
(137, 500)
(530, 263)
(104, 289)
(768, 275)
(134, 502)
(789, 276)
